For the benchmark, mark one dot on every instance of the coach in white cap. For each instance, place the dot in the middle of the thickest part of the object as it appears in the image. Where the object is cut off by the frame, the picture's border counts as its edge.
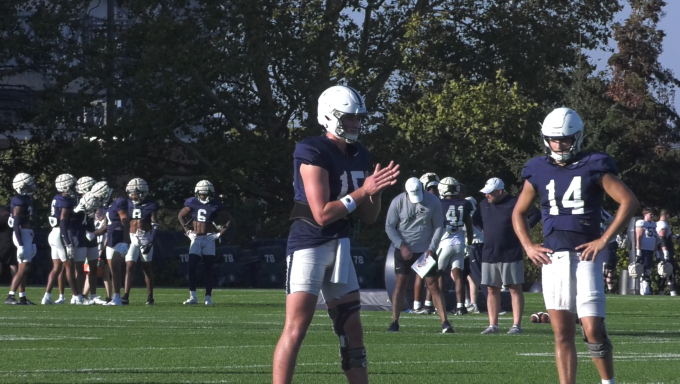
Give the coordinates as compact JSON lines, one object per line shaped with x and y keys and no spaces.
{"x":415,"y":225}
{"x":502,"y":256}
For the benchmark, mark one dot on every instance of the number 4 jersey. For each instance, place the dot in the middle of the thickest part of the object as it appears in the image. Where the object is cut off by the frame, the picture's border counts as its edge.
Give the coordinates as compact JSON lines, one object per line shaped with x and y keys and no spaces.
{"x":455,"y":212}
{"x":570,"y":197}
{"x":346,"y":173}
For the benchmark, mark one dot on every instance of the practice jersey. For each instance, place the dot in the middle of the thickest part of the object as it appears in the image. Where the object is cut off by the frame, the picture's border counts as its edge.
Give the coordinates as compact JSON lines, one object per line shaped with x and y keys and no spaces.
{"x":59,"y":204}
{"x":142,"y":210}
{"x":346,"y":173}
{"x":650,"y":237}
{"x":20,"y":201}
{"x":204,"y":213}
{"x":455,"y":211}
{"x":570,"y":197}
{"x":113,"y":221}
{"x":661,"y":225}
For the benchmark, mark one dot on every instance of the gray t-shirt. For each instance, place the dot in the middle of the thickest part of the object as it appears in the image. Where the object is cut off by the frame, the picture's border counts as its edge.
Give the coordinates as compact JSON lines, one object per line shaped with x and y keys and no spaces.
{"x":420,"y":226}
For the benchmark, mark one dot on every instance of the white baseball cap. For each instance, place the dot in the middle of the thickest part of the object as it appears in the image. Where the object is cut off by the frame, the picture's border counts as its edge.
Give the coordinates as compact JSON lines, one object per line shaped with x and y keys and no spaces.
{"x":492,"y":184}
{"x":414,"y":190}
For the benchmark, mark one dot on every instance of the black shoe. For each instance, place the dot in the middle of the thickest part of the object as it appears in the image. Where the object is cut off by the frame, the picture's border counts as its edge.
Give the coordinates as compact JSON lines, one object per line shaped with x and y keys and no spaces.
{"x":447,"y":328}
{"x":394,"y":327}
{"x":125,"y":300}
{"x":10,"y":300}
{"x":24,"y":301}
{"x":108,"y":299}
{"x":461,"y":311}
{"x":149,"y":300}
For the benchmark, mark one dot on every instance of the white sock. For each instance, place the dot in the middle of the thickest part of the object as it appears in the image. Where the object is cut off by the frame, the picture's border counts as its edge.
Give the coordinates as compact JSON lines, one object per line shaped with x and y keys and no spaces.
{"x":428,"y":303}
{"x":193,"y":294}
{"x":116,"y":296}
{"x":22,"y":294}
{"x":467,"y":302}
{"x":459,"y":305}
{"x":48,"y":295}
{"x":417,"y":304}
{"x":11,"y":293}
{"x":610,"y":381}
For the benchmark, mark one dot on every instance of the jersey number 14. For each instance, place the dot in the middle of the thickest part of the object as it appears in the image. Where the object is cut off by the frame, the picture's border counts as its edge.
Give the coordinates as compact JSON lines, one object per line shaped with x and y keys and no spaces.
{"x":571,"y":198}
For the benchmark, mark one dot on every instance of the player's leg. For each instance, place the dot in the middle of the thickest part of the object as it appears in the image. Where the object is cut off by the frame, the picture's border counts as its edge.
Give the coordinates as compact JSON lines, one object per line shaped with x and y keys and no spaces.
{"x":79,"y":257}
{"x":491,"y":277}
{"x":195,"y":253}
{"x":564,"y":327}
{"x":513,"y":278}
{"x":346,"y":317}
{"x":417,"y":289}
{"x":115,"y":260}
{"x":58,"y":254}
{"x":147,"y":267}
{"x":439,"y":301}
{"x":208,"y":264}
{"x":61,"y":284}
{"x":517,"y":296}
{"x":402,"y":270}
{"x":69,"y":266}
{"x":131,"y":258}
{"x":92,"y":259}
{"x":458,"y":276}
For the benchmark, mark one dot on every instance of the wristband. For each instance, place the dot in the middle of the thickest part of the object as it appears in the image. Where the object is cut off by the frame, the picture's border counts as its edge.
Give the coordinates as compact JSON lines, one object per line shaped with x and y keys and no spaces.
{"x":665,"y":255}
{"x":349,"y":203}
{"x":638,"y":253}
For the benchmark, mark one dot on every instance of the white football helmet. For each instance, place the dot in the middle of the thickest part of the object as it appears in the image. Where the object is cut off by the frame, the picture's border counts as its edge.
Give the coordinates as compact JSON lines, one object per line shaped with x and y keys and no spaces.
{"x":334,"y":103}
{"x":84,"y":184}
{"x":204,"y":188}
{"x":90,"y":202}
{"x":139,"y":187}
{"x":102,"y":191}
{"x":664,"y":269}
{"x":563,"y":122}
{"x":24,"y":184}
{"x":66,"y":183}
{"x":635,"y":270}
{"x":448,"y":186}
{"x":429,"y":180}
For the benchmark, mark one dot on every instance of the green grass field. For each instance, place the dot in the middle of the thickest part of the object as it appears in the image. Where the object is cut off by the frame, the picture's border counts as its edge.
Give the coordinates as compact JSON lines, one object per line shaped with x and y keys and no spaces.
{"x":234,"y":341}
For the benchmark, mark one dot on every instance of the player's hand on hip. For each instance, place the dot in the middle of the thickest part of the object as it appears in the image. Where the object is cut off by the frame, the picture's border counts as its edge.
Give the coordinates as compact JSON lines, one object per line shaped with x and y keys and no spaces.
{"x":590,"y":250}
{"x":405,"y":252}
{"x":538,"y":254}
{"x":381,"y":179}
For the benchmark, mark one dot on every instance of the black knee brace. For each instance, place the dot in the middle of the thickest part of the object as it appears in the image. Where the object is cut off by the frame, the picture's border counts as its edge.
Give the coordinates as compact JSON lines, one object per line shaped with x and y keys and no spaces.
{"x":351,"y":358}
{"x":599,"y":350}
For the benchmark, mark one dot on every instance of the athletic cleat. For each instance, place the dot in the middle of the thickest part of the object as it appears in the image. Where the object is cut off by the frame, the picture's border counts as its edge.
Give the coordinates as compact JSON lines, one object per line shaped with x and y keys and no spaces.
{"x":114,"y":302}
{"x":47,"y":301}
{"x":73,"y":300}
{"x":394,"y":327}
{"x":447,"y":328}
{"x":191,"y":301}
{"x":94,"y":299}
{"x":474,"y":309}
{"x":423,"y":311}
{"x":515,"y":330}
{"x":150,"y":300}
{"x":78,"y":301}
{"x":125,"y":300}
{"x":24,"y":301}
{"x":10,"y":300}
{"x":209,"y":303}
{"x":460,"y":311}
{"x":492,"y":329}
{"x":60,"y":300}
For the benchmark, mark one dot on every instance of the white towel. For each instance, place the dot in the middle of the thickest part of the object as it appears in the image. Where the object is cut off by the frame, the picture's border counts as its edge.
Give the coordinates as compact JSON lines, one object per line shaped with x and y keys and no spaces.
{"x":342,"y":259}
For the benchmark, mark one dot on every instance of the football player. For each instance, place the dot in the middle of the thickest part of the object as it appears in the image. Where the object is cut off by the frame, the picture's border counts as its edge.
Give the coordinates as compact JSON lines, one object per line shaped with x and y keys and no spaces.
{"x":451,"y":252}
{"x":62,"y":238}
{"x":21,"y":209}
{"x":473,"y":251}
{"x":571,"y":185}
{"x":667,"y":266}
{"x":8,"y":252}
{"x":608,"y":255}
{"x":205,"y":210}
{"x":646,"y":241}
{"x":117,"y":230}
{"x":142,"y":211}
{"x":430,"y":182}
{"x":330,"y":182}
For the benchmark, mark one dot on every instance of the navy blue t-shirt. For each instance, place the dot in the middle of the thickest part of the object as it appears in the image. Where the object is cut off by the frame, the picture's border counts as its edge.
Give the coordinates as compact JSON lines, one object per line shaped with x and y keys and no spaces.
{"x":21,"y":201}
{"x":570,"y":197}
{"x":114,"y":225}
{"x":204,"y":213}
{"x":455,"y":211}
{"x":501,"y":244}
{"x":346,"y":173}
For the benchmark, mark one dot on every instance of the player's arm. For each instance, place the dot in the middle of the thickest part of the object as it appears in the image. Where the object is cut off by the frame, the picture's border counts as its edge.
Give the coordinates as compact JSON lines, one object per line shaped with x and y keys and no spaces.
{"x":663,"y":232}
{"x":64,"y":225}
{"x":18,"y":213}
{"x":182,"y":217}
{"x":317,"y":190}
{"x":102,"y":228}
{"x":469,"y":231}
{"x":125,"y":220}
{"x":227,"y":219}
{"x":628,"y":205}
{"x":525,"y":202}
{"x":154,"y":224}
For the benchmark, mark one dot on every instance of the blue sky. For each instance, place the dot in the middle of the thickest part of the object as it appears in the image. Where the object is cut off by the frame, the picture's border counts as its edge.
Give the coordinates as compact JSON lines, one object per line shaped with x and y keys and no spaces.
{"x":670,"y":58}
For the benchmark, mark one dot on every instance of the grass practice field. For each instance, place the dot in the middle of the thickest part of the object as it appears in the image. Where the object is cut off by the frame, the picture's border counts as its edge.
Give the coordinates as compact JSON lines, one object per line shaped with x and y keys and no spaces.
{"x":234,"y":342}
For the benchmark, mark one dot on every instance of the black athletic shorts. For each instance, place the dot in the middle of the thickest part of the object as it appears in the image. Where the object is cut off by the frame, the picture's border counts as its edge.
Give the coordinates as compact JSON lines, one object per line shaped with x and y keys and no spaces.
{"x":403,"y":267}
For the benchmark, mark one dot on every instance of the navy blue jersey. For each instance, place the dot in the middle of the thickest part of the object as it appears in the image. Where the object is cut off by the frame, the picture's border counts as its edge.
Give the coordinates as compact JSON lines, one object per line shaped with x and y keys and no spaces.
{"x":60,"y":203}
{"x":204,"y":213}
{"x":346,"y":173}
{"x":570,"y":197}
{"x":455,"y":212}
{"x":142,"y":210}
{"x":113,"y":222}
{"x":21,"y":201}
